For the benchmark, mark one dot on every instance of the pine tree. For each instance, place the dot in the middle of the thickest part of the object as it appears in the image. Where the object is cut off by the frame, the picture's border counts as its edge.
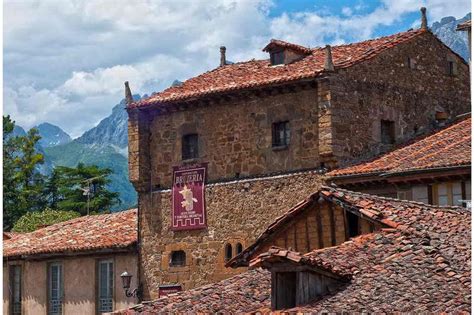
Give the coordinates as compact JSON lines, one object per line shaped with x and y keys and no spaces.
{"x":83,"y":189}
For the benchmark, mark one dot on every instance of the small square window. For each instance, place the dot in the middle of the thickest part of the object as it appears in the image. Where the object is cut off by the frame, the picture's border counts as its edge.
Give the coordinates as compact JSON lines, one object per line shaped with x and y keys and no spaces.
{"x":387,"y":129}
{"x":177,"y":258}
{"x":277,"y":57}
{"x":190,"y":146}
{"x":281,"y":134}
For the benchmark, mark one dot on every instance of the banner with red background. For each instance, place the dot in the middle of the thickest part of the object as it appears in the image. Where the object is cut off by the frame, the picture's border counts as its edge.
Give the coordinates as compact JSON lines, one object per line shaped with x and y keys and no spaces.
{"x":189,"y":210}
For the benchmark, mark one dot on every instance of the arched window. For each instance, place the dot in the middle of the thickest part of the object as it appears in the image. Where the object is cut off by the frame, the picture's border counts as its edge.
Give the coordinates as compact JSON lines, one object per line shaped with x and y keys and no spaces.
{"x":228,"y":252}
{"x":238,"y":248}
{"x":177,"y":258}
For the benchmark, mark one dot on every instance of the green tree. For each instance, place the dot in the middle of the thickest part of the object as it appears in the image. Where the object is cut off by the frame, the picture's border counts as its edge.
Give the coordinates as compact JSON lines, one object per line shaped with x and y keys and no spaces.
{"x":33,"y":220}
{"x":51,"y":189}
{"x":83,"y":189}
{"x":31,"y":182}
{"x":10,"y":188}
{"x":22,"y":183}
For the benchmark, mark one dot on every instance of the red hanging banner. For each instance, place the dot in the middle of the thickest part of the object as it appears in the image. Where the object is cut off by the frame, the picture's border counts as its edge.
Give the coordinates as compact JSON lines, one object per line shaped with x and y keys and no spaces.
{"x":189,"y":210}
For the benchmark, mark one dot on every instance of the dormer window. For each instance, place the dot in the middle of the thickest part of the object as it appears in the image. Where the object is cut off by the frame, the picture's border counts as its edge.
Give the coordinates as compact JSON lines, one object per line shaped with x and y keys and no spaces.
{"x":277,"y":57}
{"x":282,"y":52}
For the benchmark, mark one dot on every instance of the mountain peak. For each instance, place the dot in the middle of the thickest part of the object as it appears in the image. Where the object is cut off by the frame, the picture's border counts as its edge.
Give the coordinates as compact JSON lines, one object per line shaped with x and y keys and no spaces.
{"x":52,"y":135}
{"x":112,"y":130}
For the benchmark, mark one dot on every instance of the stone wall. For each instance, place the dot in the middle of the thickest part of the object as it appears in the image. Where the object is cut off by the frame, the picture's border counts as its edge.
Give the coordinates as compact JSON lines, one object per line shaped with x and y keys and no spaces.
{"x":236,"y":137}
{"x":386,"y":88}
{"x":237,"y":212}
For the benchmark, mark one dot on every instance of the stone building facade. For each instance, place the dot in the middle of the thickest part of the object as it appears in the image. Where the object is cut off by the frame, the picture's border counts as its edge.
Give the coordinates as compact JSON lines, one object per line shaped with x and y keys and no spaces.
{"x":332,"y":105}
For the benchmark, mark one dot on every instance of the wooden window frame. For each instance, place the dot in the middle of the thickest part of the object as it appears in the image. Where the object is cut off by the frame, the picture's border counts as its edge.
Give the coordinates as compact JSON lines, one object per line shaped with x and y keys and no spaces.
{"x":49,"y":285}
{"x":98,"y":264}
{"x":277,"y":57}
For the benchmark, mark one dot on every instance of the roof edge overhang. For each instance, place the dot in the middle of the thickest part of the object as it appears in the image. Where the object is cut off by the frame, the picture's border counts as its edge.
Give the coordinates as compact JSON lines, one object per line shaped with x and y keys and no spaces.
{"x":132,"y":248}
{"x":228,"y":91}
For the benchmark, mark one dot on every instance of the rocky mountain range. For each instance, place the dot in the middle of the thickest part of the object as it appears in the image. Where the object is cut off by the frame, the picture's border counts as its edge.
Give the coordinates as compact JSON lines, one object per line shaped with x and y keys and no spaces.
{"x":106,"y":144}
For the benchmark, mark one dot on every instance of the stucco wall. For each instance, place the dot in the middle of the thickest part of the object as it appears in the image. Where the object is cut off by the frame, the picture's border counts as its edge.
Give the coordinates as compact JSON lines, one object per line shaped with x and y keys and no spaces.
{"x":80,"y":282}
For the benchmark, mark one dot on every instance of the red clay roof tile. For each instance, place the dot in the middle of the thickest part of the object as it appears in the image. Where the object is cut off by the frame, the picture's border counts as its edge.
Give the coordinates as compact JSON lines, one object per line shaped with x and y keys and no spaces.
{"x":93,"y":232}
{"x":256,"y":73}
{"x":448,"y":147}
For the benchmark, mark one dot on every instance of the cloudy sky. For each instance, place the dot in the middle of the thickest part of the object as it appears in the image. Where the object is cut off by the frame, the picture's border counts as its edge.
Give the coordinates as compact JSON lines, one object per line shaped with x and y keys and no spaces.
{"x":65,"y":61}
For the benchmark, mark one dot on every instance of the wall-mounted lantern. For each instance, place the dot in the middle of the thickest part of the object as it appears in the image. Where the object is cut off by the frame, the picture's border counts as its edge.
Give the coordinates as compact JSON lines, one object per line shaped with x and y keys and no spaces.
{"x":126,"y":280}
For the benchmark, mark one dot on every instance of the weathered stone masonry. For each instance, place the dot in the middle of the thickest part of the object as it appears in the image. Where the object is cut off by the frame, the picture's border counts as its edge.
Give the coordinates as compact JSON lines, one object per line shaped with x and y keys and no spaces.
{"x":334,"y":118}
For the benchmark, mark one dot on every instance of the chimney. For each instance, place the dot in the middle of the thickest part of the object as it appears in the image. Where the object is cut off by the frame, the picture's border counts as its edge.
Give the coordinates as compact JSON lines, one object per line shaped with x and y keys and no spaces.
{"x":222,"y":56}
{"x":424,"y":20}
{"x":128,"y":94}
{"x":328,"y":65}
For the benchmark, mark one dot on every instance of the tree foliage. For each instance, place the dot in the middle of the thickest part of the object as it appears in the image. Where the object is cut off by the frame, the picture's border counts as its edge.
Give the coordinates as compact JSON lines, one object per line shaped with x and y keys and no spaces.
{"x":33,"y":220}
{"x":81,"y":189}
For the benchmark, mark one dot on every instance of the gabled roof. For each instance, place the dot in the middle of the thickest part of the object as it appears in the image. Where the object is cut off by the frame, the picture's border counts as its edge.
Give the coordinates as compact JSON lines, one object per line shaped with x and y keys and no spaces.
{"x":421,"y":263}
{"x":277,"y":43}
{"x":390,"y":212}
{"x":394,"y":271}
{"x":446,"y":148}
{"x":94,"y":232}
{"x":256,"y":73}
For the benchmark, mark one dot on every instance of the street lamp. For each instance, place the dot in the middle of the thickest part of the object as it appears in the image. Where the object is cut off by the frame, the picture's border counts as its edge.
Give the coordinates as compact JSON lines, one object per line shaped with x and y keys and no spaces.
{"x":126,"y":280}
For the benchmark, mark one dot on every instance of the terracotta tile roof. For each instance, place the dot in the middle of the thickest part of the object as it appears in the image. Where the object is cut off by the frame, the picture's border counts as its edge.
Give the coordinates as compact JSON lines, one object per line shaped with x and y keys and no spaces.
{"x":396,"y":271}
{"x":449,"y":147}
{"x":280,"y":43}
{"x":105,"y":231}
{"x":257,"y":73}
{"x":392,"y":213}
{"x":239,"y":294}
{"x":464,"y":26}
{"x":421,"y":263}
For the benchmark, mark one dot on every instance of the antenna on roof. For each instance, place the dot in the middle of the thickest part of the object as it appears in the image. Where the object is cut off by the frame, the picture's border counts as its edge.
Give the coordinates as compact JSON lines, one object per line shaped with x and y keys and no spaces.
{"x":128,"y":94}
{"x":424,"y":20}
{"x":328,"y":64}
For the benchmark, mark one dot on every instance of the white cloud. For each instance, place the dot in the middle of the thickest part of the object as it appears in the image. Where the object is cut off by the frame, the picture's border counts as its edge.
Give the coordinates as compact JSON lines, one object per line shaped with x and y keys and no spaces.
{"x":65,"y":61}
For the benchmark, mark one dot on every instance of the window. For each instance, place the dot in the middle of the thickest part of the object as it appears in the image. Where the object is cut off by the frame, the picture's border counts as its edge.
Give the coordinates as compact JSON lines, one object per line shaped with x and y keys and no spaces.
{"x":352,"y":224}
{"x":55,"y":289}
{"x":450,"y":194}
{"x":238,"y":248}
{"x":411,"y":63}
{"x":178,"y":258}
{"x":277,"y":57}
{"x":15,"y":290}
{"x":228,"y":252}
{"x":281,"y":134}
{"x":467,"y":188}
{"x":420,"y":193}
{"x":387,"y":129}
{"x":105,"y":286}
{"x":457,"y":194}
{"x":190,"y":147}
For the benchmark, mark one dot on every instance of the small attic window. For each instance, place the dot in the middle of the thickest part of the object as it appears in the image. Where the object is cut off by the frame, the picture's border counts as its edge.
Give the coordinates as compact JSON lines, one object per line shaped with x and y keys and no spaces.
{"x":277,"y":57}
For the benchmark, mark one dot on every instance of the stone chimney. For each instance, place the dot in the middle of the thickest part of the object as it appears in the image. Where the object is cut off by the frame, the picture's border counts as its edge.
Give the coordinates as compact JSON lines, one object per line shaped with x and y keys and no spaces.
{"x":424,"y":20}
{"x":222,"y":56}
{"x":328,"y":65}
{"x":128,"y":94}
